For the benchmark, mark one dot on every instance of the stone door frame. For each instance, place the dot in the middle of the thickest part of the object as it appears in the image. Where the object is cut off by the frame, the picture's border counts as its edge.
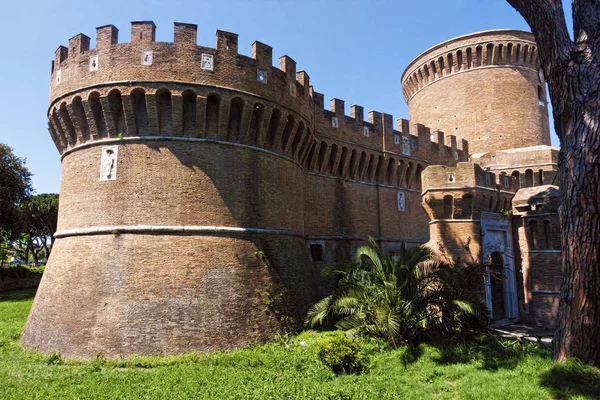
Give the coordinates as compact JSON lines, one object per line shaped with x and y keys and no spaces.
{"x":496,"y":236}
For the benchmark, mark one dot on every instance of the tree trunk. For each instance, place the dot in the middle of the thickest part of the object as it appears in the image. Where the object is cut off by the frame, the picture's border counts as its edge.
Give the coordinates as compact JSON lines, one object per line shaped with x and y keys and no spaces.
{"x":27,"y":248}
{"x":578,"y":331}
{"x":34,"y":254}
{"x":44,"y":241}
{"x":573,"y":72}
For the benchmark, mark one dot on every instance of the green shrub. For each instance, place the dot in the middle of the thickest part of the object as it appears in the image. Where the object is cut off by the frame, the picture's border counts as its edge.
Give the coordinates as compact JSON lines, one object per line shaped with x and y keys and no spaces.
{"x":400,"y":300}
{"x":343,"y":355}
{"x":20,"y":271}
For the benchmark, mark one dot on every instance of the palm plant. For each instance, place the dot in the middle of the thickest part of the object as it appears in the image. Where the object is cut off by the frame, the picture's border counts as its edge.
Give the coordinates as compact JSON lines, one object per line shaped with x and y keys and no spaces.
{"x":398,"y":299}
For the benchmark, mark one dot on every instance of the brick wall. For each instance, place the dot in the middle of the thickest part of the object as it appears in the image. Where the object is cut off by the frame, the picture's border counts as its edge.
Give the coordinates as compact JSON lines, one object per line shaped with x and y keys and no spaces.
{"x":178,"y":183}
{"x":161,"y":294}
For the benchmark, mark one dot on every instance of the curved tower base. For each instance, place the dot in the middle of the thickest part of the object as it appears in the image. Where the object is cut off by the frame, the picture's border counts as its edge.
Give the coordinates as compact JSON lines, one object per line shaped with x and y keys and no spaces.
{"x":166,"y":294}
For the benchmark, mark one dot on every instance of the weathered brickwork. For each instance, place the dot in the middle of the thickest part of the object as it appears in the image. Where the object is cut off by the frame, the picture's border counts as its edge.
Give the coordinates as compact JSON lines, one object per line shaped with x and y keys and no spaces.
{"x":454,"y":199}
{"x":160,"y":293}
{"x":536,"y":220}
{"x":204,"y":184}
{"x":530,"y":166}
{"x":203,"y":191}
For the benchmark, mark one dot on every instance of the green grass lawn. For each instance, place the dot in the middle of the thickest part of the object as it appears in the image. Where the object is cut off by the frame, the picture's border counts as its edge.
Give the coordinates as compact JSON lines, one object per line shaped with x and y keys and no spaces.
{"x":285,"y":369}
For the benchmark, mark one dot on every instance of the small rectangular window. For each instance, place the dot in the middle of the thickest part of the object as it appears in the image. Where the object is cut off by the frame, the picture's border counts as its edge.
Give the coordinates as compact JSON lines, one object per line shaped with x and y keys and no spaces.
{"x":316,"y":252}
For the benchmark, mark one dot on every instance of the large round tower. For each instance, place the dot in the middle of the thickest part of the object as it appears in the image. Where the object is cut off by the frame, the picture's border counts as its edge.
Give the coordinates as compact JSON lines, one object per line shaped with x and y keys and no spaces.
{"x":484,"y":87}
{"x":176,"y":161}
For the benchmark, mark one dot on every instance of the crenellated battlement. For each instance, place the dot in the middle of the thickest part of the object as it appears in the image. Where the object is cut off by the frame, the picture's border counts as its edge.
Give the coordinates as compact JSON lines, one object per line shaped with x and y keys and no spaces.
{"x":373,"y":150}
{"x":148,"y":88}
{"x":379,"y":132}
{"x":145,"y":60}
{"x":479,"y":50}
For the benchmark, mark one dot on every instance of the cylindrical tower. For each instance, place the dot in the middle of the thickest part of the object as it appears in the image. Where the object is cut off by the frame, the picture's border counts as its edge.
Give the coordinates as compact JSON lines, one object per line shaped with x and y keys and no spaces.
{"x":485,"y":87}
{"x":181,"y":207}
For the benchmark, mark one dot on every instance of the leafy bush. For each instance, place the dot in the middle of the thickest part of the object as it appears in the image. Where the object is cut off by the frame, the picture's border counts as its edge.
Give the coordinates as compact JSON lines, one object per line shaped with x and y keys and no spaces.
{"x":343,"y":355}
{"x":20,"y":271}
{"x":400,"y":299}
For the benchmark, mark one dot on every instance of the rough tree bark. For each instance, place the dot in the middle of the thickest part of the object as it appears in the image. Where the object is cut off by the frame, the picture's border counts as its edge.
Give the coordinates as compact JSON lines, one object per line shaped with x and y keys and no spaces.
{"x":572,"y":69}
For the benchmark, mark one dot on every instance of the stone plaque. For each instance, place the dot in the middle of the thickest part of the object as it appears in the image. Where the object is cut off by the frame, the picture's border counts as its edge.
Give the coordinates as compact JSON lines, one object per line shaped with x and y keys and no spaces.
{"x":94,"y":63}
{"x":207,"y":61}
{"x":261,"y":76}
{"x":147,"y":57}
{"x":108,"y":163}
{"x":401,"y":198}
{"x":405,"y":146}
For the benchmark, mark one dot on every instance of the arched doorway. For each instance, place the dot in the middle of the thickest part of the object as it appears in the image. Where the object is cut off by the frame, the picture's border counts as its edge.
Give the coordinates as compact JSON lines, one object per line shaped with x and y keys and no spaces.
{"x":497,"y":286}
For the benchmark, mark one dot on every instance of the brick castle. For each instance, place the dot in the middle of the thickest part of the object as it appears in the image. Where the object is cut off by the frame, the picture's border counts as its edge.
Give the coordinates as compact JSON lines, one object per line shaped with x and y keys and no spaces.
{"x":203,"y":191}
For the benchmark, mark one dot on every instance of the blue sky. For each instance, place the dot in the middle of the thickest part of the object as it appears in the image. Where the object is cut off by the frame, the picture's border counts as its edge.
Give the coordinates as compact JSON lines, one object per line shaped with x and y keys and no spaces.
{"x":352,"y":50}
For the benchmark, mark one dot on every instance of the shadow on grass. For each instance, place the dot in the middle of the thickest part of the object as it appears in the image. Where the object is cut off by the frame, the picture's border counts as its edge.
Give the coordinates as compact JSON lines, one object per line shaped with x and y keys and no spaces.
{"x":411,"y":355}
{"x":20,"y":294}
{"x":572,"y":378}
{"x":492,"y":354}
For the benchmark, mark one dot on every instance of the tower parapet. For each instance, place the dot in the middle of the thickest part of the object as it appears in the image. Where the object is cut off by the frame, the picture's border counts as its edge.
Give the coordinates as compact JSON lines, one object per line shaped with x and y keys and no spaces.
{"x":175,"y":89}
{"x":371,"y":148}
{"x":485,"y":87}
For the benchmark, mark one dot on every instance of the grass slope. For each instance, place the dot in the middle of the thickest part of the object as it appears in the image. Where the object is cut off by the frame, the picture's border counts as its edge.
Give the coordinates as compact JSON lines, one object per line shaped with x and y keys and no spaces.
{"x":285,"y":369}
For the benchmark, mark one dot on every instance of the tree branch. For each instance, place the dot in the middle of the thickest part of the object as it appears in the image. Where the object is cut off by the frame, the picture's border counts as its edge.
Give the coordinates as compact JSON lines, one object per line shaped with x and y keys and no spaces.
{"x":556,"y":51}
{"x":586,"y":26}
{"x":547,"y":22}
